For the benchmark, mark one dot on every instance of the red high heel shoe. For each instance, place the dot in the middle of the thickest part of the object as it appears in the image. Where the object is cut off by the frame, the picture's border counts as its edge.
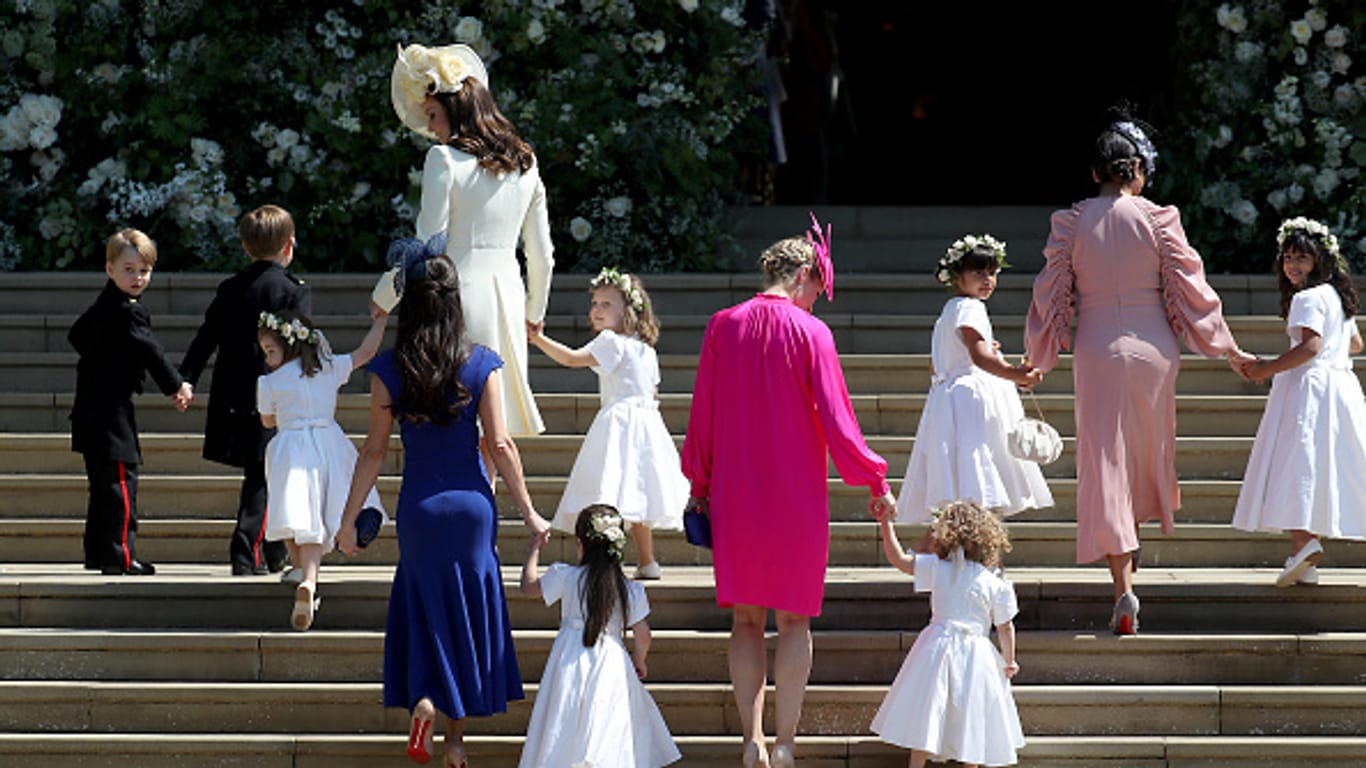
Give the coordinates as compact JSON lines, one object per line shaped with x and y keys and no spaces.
{"x":420,"y":738}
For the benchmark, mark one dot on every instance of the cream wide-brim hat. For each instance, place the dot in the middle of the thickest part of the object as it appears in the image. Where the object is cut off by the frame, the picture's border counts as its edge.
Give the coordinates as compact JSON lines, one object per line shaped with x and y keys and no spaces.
{"x":420,"y":71}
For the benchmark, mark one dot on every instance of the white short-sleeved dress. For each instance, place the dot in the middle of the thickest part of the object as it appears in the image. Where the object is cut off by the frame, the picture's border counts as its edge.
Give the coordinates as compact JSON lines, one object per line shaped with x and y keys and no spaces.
{"x":951,"y":697}
{"x":309,"y":461}
{"x":591,"y":708}
{"x":1307,"y":469}
{"x":961,"y":448}
{"x":628,"y":459}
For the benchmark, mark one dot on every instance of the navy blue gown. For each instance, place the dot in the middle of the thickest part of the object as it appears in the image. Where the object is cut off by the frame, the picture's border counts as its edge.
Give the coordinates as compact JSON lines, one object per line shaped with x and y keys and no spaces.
{"x":448,"y":637}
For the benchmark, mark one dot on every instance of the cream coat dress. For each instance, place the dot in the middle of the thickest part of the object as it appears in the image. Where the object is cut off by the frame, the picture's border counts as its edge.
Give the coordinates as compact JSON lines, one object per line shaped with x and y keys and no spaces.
{"x":483,"y":214}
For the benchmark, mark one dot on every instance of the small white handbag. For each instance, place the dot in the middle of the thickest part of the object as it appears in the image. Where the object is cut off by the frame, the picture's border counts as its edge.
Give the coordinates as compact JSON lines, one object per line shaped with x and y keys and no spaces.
{"x":1035,"y":439}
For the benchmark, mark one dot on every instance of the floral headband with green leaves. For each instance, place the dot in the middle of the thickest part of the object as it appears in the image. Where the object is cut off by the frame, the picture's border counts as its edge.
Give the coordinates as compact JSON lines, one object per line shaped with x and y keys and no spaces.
{"x":291,"y":331}
{"x":605,"y":526}
{"x":1315,"y":230}
{"x":943,"y":271}
{"x":611,"y":276}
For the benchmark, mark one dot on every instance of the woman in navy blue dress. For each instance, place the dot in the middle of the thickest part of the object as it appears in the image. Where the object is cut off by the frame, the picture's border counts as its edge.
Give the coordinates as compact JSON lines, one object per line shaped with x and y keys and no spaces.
{"x":447,"y":641}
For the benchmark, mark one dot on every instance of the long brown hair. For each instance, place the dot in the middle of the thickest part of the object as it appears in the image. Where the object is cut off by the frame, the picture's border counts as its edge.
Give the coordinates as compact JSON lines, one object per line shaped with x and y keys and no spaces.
{"x":432,"y":346}
{"x":479,"y":129}
{"x":1325,"y":270}
{"x":603,"y":585}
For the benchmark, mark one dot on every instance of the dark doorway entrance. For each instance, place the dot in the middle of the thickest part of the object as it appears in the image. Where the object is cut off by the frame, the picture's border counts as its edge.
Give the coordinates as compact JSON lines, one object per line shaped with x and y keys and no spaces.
{"x":964,"y":103}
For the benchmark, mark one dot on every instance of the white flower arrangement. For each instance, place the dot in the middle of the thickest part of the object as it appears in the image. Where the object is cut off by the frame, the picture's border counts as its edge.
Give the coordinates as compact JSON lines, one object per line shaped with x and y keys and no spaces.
{"x":606,"y":526}
{"x":1311,"y":228}
{"x":943,"y":271}
{"x":292,"y":332}
{"x":611,"y":276}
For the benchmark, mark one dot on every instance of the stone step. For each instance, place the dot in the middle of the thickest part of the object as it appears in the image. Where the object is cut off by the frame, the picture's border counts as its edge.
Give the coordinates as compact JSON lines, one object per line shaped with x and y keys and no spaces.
{"x":685,"y":656}
{"x":205,"y":597}
{"x":36,"y":294}
{"x":178,"y":497}
{"x":859,"y":333}
{"x":211,"y":750}
{"x":1044,"y":544}
{"x":568,"y":413}
{"x":698,"y":709}
{"x":1222,"y":458}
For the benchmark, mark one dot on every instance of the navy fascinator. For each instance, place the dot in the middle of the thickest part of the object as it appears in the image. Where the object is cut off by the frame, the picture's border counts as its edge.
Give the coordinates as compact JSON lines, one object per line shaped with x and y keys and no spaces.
{"x":412,"y":254}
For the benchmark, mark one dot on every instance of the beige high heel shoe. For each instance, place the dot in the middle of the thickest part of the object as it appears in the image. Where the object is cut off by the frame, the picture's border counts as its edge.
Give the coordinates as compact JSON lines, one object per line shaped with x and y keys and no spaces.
{"x":305,"y":603}
{"x":754,"y":756}
{"x":783,"y":757}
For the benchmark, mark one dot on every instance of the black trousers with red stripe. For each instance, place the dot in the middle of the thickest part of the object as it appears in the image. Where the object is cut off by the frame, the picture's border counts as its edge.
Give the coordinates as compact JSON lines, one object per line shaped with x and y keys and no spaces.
{"x":111,"y":517}
{"x":249,"y":546}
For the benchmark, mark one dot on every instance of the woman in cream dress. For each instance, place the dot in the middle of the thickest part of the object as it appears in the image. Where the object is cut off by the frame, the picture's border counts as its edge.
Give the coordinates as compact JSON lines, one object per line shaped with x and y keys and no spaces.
{"x":481,"y":189}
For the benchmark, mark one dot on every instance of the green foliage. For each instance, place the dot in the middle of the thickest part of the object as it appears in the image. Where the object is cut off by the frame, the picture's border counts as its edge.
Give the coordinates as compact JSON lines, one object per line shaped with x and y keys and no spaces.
{"x":175,"y":116}
{"x":1272,"y":126}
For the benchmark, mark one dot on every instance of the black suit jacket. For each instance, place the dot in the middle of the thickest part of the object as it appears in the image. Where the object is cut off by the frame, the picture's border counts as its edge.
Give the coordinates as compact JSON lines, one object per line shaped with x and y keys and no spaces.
{"x":233,"y":433}
{"x":116,"y":347}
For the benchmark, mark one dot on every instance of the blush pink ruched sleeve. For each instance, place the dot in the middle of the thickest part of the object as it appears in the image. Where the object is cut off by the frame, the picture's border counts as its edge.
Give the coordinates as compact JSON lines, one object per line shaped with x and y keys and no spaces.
{"x":1048,"y":327}
{"x":1194,"y":311}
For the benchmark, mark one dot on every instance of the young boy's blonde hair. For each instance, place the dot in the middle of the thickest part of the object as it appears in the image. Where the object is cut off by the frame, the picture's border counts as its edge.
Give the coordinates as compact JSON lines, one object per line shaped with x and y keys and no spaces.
{"x":266,"y":231}
{"x":130,"y":240}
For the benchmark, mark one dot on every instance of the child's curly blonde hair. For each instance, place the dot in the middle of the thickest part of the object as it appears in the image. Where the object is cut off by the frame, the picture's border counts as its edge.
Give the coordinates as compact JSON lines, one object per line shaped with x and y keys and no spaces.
{"x":977,"y":530}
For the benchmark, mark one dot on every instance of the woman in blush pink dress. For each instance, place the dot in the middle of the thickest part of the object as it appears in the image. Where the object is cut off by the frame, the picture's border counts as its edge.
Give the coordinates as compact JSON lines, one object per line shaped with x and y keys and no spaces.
{"x":1122,"y":264}
{"x":769,"y":403}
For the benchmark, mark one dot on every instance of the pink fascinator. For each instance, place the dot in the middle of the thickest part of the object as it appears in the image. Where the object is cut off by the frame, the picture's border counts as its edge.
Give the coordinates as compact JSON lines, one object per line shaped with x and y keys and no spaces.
{"x":820,"y":243}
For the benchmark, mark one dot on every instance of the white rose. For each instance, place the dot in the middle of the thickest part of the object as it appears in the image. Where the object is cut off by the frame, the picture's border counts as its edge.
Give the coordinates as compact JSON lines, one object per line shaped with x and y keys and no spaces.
{"x":1231,"y":18}
{"x":535,"y":32}
{"x":1325,"y":182}
{"x":469,"y":29}
{"x":1277,"y":199}
{"x":1301,"y":31}
{"x":206,"y":151}
{"x":657,"y":41}
{"x":1301,"y":56}
{"x":688,"y":5}
{"x":731,"y":16}
{"x":276,"y":155}
{"x":1295,"y":192}
{"x":1317,"y":19}
{"x":1321,"y":78}
{"x":1344,"y":95}
{"x":360,"y":190}
{"x":618,"y":206}
{"x":50,"y":228}
{"x":1341,"y":63}
{"x":1246,"y":51}
{"x":286,"y":138}
{"x":41,"y":109}
{"x":1222,"y":137}
{"x":90,"y":186}
{"x":1243,"y":211}
{"x":1335,"y":37}
{"x":1286,"y":87}
{"x":580,"y":228}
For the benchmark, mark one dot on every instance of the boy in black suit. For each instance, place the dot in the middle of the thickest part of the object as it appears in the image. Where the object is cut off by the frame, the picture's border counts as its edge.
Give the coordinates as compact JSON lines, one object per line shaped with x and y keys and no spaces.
{"x":233,"y":433}
{"x":116,"y":347}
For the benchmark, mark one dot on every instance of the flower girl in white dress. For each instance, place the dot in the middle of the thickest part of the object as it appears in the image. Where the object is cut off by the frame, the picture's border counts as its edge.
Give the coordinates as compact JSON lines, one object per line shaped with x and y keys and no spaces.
{"x":952,"y":700}
{"x":1307,"y":470}
{"x":309,"y":461}
{"x":628,"y":459}
{"x":592,"y":708}
{"x":960,"y":447}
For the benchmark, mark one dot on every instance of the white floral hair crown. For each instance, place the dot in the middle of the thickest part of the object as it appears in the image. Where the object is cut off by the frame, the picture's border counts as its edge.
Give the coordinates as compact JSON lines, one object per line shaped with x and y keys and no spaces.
{"x":611,"y":276}
{"x":292,"y":331}
{"x":943,"y":271}
{"x":605,"y":526}
{"x":1314,"y":229}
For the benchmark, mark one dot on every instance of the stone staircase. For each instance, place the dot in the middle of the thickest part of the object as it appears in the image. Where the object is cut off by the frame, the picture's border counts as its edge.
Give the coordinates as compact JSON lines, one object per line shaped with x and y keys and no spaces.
{"x":194,"y":667}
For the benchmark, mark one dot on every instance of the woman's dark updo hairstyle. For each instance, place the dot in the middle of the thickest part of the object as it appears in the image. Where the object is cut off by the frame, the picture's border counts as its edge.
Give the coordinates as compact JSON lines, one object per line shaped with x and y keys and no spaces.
{"x":602,"y":587}
{"x":1325,"y":271}
{"x":1114,"y":156}
{"x":431,"y":347}
{"x":479,"y":129}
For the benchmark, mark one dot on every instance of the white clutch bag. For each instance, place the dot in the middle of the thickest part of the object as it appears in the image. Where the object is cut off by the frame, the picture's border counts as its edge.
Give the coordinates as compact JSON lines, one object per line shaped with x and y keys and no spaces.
{"x":1035,"y":439}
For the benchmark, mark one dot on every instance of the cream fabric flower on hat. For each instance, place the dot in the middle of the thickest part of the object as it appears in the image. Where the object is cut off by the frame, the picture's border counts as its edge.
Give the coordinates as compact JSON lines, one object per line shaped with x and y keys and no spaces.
{"x":420,"y":71}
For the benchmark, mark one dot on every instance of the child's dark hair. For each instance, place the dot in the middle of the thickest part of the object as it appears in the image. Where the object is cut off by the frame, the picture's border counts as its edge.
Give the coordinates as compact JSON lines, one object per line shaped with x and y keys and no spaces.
{"x":309,"y":349}
{"x":1115,"y":155}
{"x":1327,"y":269}
{"x":603,"y":586}
{"x":980,"y":257}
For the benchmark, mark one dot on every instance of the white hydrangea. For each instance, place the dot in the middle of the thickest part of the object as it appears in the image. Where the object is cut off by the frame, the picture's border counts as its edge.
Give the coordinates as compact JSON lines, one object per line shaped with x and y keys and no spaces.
{"x":1341,"y":63}
{"x":1295,"y":192}
{"x":1320,"y":79}
{"x":1317,"y":19}
{"x":732,"y":16}
{"x":1247,"y":50}
{"x":287,"y":138}
{"x":468,"y":30}
{"x":205,"y":152}
{"x":1335,"y":37}
{"x":1277,"y":198}
{"x":535,"y":32}
{"x":1243,"y":211}
{"x":688,"y":6}
{"x":1325,"y":181}
{"x":618,"y":206}
{"x":1222,"y":137}
{"x":1344,"y":95}
{"x":1301,"y":56}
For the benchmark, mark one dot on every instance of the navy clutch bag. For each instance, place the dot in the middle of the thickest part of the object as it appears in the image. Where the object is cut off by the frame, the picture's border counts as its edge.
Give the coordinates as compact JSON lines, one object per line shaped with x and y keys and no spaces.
{"x":697,"y":528}
{"x":368,"y":523}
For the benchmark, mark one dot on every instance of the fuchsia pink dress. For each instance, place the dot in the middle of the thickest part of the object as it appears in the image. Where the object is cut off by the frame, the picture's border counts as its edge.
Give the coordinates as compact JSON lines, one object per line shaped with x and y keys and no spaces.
{"x":769,"y":402}
{"x":1124,"y":266}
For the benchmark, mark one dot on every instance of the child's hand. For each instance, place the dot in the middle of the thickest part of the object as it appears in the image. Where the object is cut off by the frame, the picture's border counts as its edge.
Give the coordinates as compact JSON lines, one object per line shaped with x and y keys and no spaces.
{"x":1012,"y":669}
{"x":376,"y":311}
{"x":1028,"y":376}
{"x":535,"y":331}
{"x":883,"y":508}
{"x":641,"y":669}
